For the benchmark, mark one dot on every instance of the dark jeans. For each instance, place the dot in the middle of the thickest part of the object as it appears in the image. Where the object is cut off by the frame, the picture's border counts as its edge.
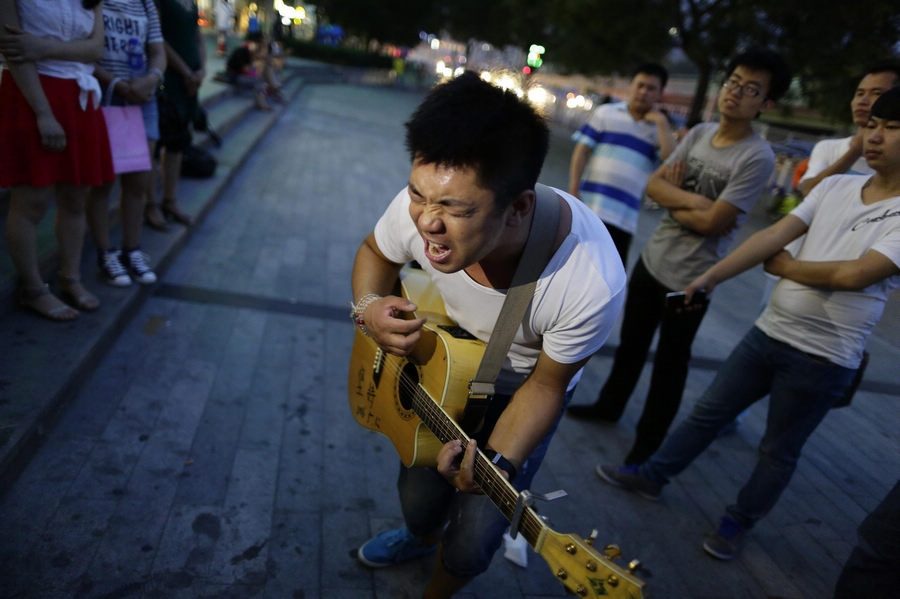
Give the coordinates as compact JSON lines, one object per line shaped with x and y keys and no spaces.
{"x":475,"y":526}
{"x":644,"y":312}
{"x":873,"y":569}
{"x":801,"y":388}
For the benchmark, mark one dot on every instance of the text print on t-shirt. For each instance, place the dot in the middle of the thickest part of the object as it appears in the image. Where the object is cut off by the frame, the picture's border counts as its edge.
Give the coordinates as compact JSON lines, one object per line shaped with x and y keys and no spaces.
{"x":875,"y":219}
{"x":124,"y":39}
{"x":705,"y":178}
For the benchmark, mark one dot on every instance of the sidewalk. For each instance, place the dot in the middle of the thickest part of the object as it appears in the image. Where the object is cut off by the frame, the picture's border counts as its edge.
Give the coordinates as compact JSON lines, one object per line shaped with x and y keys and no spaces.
{"x":42,"y":363}
{"x":210,"y":453}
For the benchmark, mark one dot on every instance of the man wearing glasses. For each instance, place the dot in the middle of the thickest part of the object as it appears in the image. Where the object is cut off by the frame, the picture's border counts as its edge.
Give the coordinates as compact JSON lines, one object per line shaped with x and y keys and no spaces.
{"x":708,"y":184}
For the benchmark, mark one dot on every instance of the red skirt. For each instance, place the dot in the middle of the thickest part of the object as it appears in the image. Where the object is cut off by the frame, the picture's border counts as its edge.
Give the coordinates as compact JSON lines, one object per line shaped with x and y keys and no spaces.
{"x":23,"y":160}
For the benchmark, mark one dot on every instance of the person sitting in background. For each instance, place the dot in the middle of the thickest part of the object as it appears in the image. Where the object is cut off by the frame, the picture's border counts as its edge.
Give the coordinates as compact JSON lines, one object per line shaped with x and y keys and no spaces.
{"x":136,"y":66}
{"x":53,"y":140}
{"x":250,"y":67}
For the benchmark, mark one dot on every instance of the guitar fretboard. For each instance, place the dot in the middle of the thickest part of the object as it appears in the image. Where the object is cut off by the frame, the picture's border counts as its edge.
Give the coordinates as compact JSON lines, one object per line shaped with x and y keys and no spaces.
{"x":495,"y":486}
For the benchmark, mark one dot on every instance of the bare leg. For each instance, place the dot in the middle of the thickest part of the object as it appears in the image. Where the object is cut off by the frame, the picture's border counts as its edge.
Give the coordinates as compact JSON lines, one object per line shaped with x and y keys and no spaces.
{"x":153,"y":216}
{"x":27,"y":207}
{"x":97,"y":211}
{"x":70,"y":225}
{"x":135,"y":189}
{"x":171,"y":171}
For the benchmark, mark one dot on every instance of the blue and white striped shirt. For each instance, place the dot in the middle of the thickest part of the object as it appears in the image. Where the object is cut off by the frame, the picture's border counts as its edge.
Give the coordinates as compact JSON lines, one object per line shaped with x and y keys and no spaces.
{"x":625,"y":152}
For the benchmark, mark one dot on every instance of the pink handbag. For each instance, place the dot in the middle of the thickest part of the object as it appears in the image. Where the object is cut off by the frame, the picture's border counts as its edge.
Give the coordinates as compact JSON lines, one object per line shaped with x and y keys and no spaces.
{"x":127,"y":136}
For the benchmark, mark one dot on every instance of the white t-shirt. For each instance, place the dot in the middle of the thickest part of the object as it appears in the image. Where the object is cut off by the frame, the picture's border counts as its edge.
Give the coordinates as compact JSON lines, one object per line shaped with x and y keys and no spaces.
{"x":576,"y":302}
{"x":826,"y":152}
{"x":64,"y":21}
{"x":835,"y":324}
{"x":624,"y":154}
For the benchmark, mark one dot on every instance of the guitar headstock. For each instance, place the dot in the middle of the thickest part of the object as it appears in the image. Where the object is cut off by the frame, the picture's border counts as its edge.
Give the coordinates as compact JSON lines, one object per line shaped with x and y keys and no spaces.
{"x":585,"y":571}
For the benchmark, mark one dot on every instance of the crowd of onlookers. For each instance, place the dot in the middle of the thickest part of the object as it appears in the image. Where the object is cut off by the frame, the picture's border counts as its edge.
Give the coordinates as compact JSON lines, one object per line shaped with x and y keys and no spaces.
{"x":69,"y":66}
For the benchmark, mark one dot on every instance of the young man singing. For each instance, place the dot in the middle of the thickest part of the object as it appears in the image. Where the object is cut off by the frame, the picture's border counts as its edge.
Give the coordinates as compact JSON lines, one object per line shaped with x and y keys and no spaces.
{"x":465,"y":217}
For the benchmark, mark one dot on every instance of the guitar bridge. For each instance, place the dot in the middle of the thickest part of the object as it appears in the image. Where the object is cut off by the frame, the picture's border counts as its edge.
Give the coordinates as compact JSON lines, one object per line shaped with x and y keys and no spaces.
{"x":377,"y":366}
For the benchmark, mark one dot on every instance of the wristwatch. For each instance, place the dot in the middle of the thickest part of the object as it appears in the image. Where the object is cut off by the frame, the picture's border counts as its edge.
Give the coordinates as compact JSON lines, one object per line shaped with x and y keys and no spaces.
{"x":500,"y":462}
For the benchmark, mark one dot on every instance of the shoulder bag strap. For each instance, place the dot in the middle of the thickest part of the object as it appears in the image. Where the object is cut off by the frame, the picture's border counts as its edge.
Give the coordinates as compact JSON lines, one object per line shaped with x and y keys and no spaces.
{"x":538,"y":251}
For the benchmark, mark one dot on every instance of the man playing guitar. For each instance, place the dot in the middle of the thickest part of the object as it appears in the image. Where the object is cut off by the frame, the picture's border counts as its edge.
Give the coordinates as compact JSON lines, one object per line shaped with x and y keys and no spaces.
{"x":465,"y":217}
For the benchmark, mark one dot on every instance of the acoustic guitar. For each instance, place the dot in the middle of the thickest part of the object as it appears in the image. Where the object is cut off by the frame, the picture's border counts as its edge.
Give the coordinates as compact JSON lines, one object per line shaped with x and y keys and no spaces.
{"x":417,"y":401}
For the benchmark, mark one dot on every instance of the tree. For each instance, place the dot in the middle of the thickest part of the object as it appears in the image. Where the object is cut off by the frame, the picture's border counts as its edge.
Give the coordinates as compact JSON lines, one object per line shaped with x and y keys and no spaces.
{"x":830,"y":48}
{"x":390,"y":21}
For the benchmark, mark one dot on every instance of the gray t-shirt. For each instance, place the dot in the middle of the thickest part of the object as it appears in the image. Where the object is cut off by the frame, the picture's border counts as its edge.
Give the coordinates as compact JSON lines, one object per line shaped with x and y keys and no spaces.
{"x":676,"y":255}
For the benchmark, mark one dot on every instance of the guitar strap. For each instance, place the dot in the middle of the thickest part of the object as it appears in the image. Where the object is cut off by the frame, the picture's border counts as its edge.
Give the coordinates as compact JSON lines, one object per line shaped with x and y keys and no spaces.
{"x":537,"y":253}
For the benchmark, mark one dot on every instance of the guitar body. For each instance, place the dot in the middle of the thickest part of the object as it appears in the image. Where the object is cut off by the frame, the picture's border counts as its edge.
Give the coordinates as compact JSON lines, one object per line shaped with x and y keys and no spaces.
{"x":381,"y":385}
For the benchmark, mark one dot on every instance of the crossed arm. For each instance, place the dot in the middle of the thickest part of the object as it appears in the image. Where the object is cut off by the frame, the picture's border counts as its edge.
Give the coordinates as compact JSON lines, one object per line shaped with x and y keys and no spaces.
{"x":694,"y":211}
{"x":767,"y":246}
{"x":22,"y":50}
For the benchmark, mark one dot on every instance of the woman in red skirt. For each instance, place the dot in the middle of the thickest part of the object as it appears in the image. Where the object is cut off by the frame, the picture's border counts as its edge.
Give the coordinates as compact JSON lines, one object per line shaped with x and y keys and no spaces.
{"x":53,"y":140}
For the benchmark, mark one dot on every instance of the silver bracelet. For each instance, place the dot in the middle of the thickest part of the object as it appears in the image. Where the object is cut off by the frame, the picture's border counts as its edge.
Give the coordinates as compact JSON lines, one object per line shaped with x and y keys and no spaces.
{"x":358,"y":310}
{"x":158,"y":73}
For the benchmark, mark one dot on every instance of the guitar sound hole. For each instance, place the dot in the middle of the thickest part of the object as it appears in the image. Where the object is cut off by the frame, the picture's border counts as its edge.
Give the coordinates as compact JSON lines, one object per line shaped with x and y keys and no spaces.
{"x":409,"y":381}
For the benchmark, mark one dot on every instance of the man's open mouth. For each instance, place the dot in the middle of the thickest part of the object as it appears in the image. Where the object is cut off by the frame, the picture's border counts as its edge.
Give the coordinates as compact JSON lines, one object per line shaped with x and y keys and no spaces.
{"x":436,"y":251}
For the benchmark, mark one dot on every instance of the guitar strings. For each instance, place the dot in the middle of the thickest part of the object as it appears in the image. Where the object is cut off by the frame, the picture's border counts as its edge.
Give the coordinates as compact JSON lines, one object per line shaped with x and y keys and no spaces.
{"x":530,"y":525}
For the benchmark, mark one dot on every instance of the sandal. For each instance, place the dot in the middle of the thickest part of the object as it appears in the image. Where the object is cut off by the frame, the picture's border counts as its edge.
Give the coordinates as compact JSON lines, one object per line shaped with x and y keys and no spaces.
{"x":73,"y":293}
{"x":40,"y":301}
{"x":171,"y":212}
{"x":154,"y":218}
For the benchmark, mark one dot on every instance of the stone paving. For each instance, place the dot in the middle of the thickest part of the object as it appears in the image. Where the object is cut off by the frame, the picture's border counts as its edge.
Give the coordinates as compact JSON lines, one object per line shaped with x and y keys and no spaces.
{"x":211,"y":452}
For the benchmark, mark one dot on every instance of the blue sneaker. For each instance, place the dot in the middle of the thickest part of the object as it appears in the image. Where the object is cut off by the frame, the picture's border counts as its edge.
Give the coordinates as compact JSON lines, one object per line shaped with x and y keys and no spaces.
{"x":725,"y":543}
{"x":628,"y":477}
{"x":392,"y":547}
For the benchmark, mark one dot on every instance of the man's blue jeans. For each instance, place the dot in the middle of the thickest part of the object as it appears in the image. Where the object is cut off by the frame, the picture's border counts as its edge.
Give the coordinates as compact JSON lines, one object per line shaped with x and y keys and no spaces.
{"x":475,"y":526}
{"x":802,"y":388}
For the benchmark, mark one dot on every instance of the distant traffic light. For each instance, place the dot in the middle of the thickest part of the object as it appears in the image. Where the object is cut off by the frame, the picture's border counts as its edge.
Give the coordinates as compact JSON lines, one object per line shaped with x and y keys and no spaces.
{"x":534,"y":59}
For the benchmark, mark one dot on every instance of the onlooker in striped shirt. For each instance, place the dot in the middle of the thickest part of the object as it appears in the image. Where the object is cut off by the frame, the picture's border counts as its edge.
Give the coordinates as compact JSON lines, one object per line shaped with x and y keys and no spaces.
{"x":617,"y":149}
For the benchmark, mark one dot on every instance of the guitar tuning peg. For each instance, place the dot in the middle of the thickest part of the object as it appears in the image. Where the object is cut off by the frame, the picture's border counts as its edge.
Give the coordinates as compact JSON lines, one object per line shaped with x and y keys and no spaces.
{"x":634,"y":565}
{"x":612,"y":551}
{"x":592,"y":537}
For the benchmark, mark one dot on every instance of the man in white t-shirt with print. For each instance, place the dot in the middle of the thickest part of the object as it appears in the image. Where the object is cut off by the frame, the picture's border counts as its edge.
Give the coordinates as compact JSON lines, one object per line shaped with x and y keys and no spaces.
{"x":465,"y":216}
{"x":617,"y":150}
{"x":844,"y":156}
{"x":807,"y":344}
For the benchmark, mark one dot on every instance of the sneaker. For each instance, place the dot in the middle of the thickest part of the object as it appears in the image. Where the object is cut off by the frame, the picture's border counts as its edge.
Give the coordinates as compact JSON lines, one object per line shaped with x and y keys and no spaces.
{"x":392,"y":547}
{"x":111,"y":269}
{"x":628,"y":477}
{"x":725,"y":543}
{"x":136,"y":263}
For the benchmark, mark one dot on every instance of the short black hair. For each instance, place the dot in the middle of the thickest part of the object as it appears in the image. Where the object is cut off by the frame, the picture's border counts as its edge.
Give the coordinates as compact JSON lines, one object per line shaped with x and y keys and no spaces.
{"x":763,"y":59}
{"x":887,"y":106}
{"x":654,"y":69}
{"x":887,"y":66}
{"x":468,"y":122}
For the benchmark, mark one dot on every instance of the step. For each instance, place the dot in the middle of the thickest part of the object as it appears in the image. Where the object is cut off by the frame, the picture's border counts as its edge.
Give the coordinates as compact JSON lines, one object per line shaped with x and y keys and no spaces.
{"x":42,"y":363}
